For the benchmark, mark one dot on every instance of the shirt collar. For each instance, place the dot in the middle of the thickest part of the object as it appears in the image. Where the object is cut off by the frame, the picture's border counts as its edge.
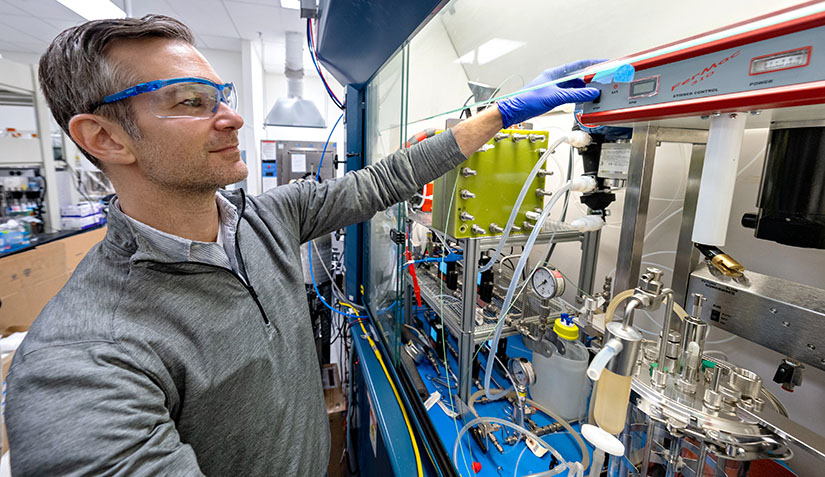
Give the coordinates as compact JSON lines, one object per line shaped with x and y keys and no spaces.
{"x":173,"y":247}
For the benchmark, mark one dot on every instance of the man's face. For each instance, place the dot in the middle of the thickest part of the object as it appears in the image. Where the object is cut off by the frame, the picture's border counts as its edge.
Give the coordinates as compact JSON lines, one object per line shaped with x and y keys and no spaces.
{"x":186,"y":154}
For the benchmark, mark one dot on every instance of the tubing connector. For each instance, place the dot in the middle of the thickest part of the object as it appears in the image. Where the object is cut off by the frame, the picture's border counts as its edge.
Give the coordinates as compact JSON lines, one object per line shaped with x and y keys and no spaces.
{"x":501,"y":136}
{"x":583,"y":184}
{"x":528,"y":225}
{"x":518,"y":137}
{"x":578,"y":138}
{"x":543,"y":193}
{"x":610,"y":349}
{"x":588,"y":223}
{"x":494,"y":228}
{"x":477,"y":230}
{"x":544,"y":173}
{"x":535,"y":137}
{"x":465,"y":194}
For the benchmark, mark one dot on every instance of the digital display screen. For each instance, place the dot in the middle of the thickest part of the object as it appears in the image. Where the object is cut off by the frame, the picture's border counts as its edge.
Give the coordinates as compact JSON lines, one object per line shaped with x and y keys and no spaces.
{"x":780,"y":61}
{"x":645,"y":87}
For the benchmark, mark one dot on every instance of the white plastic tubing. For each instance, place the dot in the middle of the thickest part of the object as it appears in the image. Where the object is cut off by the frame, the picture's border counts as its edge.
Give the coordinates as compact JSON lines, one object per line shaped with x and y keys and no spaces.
{"x":575,"y":139}
{"x":581,"y":184}
{"x":576,"y":467}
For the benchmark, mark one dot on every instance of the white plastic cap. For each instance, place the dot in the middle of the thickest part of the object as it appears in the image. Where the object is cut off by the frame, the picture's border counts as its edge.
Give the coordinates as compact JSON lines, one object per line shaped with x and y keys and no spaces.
{"x":578,"y":138}
{"x":602,"y":439}
{"x":583,"y":184}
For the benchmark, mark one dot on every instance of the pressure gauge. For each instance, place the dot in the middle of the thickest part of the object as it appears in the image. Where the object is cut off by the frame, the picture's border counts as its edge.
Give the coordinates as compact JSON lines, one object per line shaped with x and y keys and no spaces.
{"x":521,"y":372}
{"x":547,"y":283}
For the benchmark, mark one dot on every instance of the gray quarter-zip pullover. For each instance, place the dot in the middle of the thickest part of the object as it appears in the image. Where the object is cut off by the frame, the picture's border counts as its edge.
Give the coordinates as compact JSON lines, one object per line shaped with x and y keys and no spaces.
{"x":148,"y":365}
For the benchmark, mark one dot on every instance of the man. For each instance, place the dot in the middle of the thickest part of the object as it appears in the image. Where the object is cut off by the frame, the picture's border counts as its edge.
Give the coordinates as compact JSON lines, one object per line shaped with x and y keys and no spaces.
{"x":181,"y":344}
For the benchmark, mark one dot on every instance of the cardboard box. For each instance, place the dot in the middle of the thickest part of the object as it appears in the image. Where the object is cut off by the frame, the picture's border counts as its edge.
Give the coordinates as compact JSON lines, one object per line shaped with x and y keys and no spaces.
{"x":77,"y":246}
{"x":6,"y":363}
{"x":28,"y":280}
{"x":80,"y":222}
{"x":336,"y":412}
{"x":81,"y":209}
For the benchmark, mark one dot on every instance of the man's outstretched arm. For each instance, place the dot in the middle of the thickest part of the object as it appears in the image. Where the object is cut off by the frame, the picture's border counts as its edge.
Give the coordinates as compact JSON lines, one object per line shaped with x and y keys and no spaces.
{"x":310,"y":209}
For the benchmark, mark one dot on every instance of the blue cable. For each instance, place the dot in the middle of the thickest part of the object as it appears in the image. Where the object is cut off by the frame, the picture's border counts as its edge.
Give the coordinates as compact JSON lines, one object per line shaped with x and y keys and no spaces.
{"x":324,"y":153}
{"x":311,"y":274}
{"x":317,"y":292}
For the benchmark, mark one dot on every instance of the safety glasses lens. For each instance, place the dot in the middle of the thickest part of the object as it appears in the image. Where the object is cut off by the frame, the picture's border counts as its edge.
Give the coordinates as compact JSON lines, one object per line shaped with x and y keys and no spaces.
{"x":230,"y":96}
{"x":186,"y":100}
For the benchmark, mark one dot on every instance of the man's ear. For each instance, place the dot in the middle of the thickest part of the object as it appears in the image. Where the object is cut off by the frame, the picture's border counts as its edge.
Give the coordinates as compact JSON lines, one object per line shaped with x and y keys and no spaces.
{"x":102,"y":138}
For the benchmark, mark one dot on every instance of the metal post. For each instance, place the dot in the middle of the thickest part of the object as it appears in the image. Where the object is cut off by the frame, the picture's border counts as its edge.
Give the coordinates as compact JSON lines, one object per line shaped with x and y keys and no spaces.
{"x":41,"y":110}
{"x":468,"y":302}
{"x":590,"y":258}
{"x":686,"y":254}
{"x":634,"y":214}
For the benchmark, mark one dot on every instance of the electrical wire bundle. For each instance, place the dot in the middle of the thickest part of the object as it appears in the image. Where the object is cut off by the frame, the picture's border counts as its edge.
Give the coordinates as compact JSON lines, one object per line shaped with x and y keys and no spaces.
{"x":313,"y":55}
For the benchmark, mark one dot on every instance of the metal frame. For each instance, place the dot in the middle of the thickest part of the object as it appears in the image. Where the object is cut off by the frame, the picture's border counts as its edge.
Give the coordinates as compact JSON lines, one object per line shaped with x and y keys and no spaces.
{"x":637,"y":199}
{"x":472,"y":247}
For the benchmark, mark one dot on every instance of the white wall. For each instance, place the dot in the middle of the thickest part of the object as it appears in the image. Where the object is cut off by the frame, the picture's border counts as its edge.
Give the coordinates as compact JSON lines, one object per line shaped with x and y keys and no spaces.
{"x":226,"y":63}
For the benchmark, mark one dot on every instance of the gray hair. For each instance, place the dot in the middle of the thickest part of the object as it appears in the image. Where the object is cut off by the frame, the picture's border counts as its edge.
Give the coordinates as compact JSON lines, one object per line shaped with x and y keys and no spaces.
{"x":75,"y":72}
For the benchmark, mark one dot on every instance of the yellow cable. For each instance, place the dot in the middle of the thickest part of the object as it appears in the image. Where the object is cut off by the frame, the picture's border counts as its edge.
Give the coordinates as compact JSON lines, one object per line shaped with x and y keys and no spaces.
{"x":394,"y":390}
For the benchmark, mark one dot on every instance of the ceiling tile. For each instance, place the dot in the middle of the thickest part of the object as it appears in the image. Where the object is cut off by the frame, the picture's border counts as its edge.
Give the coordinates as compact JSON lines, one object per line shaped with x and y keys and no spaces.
{"x":215,"y":42}
{"x":46,"y":9}
{"x":31,"y":26}
{"x":269,"y":3}
{"x":28,"y":47}
{"x":6,"y":7}
{"x":61,"y":25}
{"x":271,"y":21}
{"x":161,"y":7}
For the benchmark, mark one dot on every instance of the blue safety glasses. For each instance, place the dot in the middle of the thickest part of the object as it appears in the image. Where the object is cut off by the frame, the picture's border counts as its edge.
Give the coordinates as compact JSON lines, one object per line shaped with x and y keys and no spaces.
{"x":179,"y":97}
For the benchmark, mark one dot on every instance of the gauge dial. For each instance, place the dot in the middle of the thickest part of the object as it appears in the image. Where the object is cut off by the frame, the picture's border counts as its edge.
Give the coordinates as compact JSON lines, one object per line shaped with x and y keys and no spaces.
{"x":547,"y":283}
{"x":521,"y":372}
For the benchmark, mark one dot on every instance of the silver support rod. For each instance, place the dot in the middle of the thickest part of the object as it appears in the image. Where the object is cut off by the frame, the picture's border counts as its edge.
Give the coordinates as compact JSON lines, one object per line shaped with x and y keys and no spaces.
{"x":786,"y":428}
{"x":590,"y":258}
{"x":42,"y":115}
{"x":468,"y":302}
{"x":636,"y":201}
{"x":686,"y":254}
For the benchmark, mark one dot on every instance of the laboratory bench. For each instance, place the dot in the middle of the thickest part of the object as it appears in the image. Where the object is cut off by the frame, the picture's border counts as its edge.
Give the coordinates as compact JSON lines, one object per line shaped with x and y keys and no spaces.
{"x":32,"y":275}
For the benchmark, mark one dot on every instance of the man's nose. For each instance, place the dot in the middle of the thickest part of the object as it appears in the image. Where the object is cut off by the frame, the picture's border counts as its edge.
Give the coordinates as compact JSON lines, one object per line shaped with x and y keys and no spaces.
{"x":227,"y":118}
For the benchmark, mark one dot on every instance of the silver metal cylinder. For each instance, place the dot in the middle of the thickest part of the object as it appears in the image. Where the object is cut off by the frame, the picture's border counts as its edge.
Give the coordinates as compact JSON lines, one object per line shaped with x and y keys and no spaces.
{"x":623,"y":363}
{"x":693,"y":330}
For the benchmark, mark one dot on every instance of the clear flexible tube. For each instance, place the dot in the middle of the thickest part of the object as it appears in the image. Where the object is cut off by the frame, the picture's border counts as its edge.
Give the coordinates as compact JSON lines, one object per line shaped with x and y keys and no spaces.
{"x":563,"y":464}
{"x":553,"y":415}
{"x":524,"y":189}
{"x":511,"y":290}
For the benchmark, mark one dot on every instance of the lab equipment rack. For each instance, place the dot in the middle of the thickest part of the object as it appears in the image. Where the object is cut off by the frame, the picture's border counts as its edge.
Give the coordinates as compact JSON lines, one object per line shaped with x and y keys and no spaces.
{"x":460,"y":316}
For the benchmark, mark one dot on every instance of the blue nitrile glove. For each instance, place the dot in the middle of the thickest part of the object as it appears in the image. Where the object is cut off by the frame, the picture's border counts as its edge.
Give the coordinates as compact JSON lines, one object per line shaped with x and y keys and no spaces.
{"x":538,"y":101}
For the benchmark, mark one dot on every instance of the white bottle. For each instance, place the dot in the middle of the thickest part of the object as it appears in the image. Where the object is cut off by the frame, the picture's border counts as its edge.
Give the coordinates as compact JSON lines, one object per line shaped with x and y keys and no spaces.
{"x":561,"y":383}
